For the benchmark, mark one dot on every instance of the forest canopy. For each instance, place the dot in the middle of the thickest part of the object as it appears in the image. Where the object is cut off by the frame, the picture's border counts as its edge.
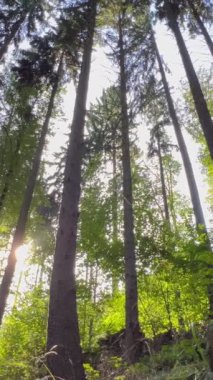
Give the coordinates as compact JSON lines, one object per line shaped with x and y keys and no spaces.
{"x":105,"y":259}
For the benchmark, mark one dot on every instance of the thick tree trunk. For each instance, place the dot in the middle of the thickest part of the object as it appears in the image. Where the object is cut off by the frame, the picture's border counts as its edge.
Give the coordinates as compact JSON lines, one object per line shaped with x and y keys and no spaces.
{"x":15,"y":28}
{"x":199,"y":100}
{"x":63,"y":329}
{"x":131,"y":292}
{"x":23,"y":215}
{"x":201,"y":25}
{"x":163,"y":184}
{"x":198,"y":212}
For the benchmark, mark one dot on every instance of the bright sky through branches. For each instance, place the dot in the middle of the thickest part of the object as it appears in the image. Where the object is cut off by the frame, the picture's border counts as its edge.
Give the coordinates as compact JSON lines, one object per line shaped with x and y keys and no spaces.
{"x":104,"y":74}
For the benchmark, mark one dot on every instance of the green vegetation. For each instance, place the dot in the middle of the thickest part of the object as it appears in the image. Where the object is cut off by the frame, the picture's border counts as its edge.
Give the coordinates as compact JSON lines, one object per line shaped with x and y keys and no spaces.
{"x":117,"y":279}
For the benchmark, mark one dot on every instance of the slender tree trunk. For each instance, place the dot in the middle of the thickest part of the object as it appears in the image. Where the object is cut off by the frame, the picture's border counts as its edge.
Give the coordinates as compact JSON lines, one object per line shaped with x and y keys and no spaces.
{"x":179,"y":310}
{"x":163,"y":184}
{"x":114,"y":211}
{"x":199,"y":100}
{"x":171,"y":198}
{"x":115,"y":195}
{"x":37,"y":275}
{"x":131,"y":292}
{"x":195,"y":198}
{"x":201,"y":25}
{"x":63,"y":329}
{"x":15,"y":28}
{"x":165,"y":297}
{"x":85,"y":303}
{"x":93,"y":289}
{"x":23,"y":215}
{"x":198,"y":212}
{"x":91,"y":285}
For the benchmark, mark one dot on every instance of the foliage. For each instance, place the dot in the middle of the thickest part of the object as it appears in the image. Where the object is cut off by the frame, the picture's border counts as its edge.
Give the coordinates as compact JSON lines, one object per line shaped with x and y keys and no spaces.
{"x":174,"y":266}
{"x":26,"y":324}
{"x":192,"y":125}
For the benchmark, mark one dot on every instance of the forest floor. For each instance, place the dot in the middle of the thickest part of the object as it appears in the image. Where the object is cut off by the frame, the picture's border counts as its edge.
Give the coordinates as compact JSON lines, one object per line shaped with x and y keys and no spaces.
{"x":183,"y":358}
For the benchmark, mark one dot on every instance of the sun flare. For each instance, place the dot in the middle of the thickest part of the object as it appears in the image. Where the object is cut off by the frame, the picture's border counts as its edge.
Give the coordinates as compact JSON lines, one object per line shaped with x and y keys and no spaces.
{"x":22,"y":252}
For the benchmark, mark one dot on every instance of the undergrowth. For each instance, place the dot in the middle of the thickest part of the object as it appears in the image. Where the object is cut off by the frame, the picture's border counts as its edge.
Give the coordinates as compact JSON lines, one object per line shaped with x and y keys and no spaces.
{"x":185,"y":360}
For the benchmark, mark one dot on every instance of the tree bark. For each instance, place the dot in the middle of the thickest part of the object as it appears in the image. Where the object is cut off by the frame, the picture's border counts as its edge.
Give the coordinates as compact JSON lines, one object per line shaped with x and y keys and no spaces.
{"x":114,"y":211}
{"x":24,"y":211}
{"x":201,"y":25}
{"x":15,"y":28}
{"x":63,"y":329}
{"x":195,"y":198}
{"x":199,"y":100}
{"x":197,"y":208}
{"x":163,"y":184}
{"x":131,"y":292}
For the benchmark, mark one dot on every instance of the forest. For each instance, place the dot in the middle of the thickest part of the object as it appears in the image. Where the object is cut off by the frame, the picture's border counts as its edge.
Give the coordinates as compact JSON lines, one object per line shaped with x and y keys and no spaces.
{"x":106,"y":240}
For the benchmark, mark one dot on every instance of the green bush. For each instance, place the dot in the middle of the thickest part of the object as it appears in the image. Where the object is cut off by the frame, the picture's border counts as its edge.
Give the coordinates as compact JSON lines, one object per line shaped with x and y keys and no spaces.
{"x":23,"y":336}
{"x":91,"y":373}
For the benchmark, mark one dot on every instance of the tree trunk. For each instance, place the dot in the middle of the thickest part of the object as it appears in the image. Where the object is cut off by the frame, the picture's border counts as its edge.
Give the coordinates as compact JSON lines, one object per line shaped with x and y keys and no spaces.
{"x":163,"y":184}
{"x":23,"y":215}
{"x":199,"y":100}
{"x":198,"y":212}
{"x":85,"y":303}
{"x":63,"y":329}
{"x":114,"y":212}
{"x":131,"y":292}
{"x":201,"y":25}
{"x":197,"y":208}
{"x":171,"y":199}
{"x":15,"y":28}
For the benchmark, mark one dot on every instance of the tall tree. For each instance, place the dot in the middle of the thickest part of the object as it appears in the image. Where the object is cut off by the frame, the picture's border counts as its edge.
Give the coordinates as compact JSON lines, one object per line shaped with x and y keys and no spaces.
{"x":195,"y":198}
{"x":132,"y":322}
{"x":17,"y":123}
{"x":104,"y":129}
{"x":134,"y":67}
{"x":170,"y":10}
{"x":156,"y":146}
{"x":24,"y":211}
{"x":194,"y":7}
{"x":63,"y":330}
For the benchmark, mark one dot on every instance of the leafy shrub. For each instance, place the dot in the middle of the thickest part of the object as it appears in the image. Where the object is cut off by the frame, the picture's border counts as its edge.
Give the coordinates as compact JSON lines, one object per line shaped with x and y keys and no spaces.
{"x":23,"y":336}
{"x":91,"y":373}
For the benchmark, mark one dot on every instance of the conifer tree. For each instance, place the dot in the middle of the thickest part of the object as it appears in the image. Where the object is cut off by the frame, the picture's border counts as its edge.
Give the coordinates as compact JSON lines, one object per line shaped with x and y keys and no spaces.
{"x":195,"y":198}
{"x":25,"y":207}
{"x":198,"y":8}
{"x":132,"y":322}
{"x":63,"y":331}
{"x":170,"y":10}
{"x":157,"y":146}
